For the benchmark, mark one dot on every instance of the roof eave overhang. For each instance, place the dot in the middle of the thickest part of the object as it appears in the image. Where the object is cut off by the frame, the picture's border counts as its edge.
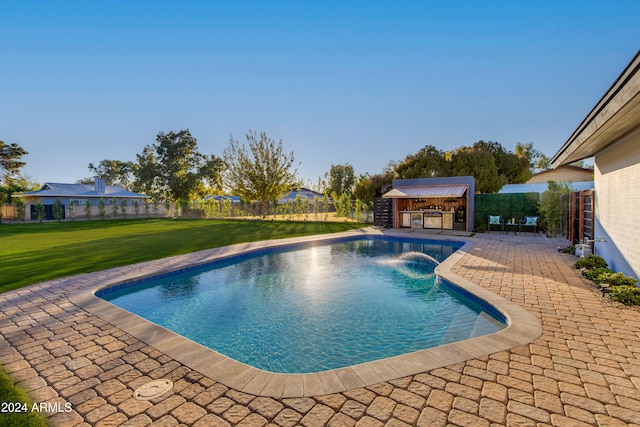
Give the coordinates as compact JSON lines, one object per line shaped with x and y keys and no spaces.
{"x":615,"y":115}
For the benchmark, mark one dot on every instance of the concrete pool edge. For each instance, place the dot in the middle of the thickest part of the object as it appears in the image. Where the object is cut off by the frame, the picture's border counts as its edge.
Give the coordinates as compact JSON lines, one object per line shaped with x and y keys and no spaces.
{"x":522,"y":329}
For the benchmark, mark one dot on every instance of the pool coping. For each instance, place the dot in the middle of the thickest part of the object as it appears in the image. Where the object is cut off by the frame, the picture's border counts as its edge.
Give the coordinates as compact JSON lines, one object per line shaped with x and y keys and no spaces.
{"x":522,"y":328}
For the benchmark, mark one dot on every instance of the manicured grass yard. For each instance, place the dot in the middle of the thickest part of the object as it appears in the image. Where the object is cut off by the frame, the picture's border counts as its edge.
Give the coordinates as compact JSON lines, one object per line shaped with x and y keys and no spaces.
{"x":32,"y":253}
{"x":20,"y":412}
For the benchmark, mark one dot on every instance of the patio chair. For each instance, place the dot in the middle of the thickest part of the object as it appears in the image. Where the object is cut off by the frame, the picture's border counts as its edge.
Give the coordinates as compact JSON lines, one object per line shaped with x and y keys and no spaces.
{"x":495,"y":220}
{"x":530,"y":221}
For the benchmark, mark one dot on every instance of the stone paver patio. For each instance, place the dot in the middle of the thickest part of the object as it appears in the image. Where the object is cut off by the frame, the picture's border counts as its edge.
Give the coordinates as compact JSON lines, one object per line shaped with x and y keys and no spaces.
{"x":583,"y":370}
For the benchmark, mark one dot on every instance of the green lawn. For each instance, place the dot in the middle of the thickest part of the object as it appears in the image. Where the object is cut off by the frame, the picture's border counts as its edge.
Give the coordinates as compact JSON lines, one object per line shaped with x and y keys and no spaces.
{"x":32,"y":253}
{"x":19,"y":410}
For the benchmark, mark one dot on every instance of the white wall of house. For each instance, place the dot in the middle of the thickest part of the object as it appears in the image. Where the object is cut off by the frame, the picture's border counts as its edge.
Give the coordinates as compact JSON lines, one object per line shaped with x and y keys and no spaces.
{"x":617,"y":177}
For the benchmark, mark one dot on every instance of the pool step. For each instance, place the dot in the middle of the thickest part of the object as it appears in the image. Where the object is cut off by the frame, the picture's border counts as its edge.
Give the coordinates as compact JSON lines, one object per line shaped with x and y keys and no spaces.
{"x":458,"y":329}
{"x":461,"y":330}
{"x":485,"y":324}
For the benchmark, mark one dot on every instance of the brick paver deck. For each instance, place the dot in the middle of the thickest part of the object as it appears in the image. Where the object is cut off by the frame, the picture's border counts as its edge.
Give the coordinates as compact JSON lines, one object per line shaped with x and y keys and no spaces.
{"x":583,"y":370}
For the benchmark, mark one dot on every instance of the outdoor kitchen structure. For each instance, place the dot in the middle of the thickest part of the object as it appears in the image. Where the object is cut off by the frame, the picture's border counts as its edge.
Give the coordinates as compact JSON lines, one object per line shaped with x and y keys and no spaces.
{"x":432,"y":203}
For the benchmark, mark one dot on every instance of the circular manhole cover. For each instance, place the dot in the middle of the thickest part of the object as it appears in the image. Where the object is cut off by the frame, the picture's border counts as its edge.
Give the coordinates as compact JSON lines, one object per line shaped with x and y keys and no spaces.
{"x":152,"y":389}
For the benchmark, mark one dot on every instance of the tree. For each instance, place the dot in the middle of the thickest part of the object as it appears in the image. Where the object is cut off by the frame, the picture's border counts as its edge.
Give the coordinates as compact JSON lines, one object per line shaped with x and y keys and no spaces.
{"x":369,"y":187}
{"x":535,"y":157}
{"x":114,"y":172}
{"x":526,"y":151}
{"x":340,"y":179}
{"x":342,"y":204}
{"x":479,"y":164}
{"x":18,"y":184}
{"x":514,"y":169}
{"x":261,"y":172}
{"x":40,"y":211}
{"x":543,"y":162}
{"x":364,"y":189}
{"x":10,"y":163}
{"x":551,"y":206}
{"x":173,"y":169}
{"x":429,"y":162}
{"x":58,"y":210}
{"x":21,"y":209}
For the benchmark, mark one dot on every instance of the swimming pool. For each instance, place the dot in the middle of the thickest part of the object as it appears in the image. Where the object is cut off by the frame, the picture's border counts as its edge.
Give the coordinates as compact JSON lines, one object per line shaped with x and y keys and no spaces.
{"x":315,"y":307}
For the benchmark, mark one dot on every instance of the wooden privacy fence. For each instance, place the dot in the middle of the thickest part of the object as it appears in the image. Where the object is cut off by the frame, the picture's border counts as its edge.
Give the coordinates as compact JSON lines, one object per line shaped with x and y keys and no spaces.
{"x":383,"y":212}
{"x":578,"y":219}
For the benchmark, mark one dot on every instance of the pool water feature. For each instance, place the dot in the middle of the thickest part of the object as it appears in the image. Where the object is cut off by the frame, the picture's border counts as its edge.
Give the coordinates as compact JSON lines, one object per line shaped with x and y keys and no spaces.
{"x":315,"y":307}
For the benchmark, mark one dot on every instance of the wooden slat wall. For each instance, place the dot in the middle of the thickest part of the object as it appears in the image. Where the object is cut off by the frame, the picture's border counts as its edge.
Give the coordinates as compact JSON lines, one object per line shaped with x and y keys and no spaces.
{"x":581,"y":221}
{"x":383,"y":212}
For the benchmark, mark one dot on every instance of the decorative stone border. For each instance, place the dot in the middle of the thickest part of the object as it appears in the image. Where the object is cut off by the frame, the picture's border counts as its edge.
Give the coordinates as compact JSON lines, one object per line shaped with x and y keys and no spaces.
{"x":522,"y":329}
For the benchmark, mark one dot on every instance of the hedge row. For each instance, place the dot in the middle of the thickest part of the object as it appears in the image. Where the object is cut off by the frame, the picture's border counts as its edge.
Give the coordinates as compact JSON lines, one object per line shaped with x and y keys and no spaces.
{"x":509,"y":205}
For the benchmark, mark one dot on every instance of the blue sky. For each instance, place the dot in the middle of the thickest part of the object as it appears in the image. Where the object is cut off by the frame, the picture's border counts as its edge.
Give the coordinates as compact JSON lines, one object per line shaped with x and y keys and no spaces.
{"x":359,"y":82}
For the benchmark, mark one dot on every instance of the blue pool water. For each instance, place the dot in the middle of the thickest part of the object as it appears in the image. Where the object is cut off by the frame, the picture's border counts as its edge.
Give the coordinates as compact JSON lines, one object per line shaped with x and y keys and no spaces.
{"x":314,"y":308}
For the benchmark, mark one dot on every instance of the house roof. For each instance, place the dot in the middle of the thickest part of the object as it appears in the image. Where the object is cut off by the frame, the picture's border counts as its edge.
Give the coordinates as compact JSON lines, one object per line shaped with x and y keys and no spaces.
{"x":81,"y":191}
{"x":304,"y":192}
{"x":218,"y":198}
{"x":615,"y":115}
{"x":426,"y":191}
{"x":576,"y":174}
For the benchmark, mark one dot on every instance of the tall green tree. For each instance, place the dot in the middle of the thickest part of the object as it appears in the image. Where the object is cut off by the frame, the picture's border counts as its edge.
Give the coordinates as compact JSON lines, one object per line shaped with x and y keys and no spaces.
{"x":259,"y":171}
{"x":429,"y":162}
{"x":173,"y":169}
{"x":17,"y":184}
{"x":535,"y":157}
{"x":479,"y":164}
{"x":526,"y":151}
{"x":114,"y":172}
{"x":340,"y":179}
{"x":364,"y":189}
{"x":10,"y":163}
{"x":513,"y":168}
{"x":543,"y":162}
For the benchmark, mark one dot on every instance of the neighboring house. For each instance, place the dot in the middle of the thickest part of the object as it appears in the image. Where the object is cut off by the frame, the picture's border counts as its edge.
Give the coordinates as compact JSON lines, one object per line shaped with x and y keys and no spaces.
{"x":564,"y":173}
{"x":221,"y":199}
{"x":304,"y":193}
{"x":80,"y":194}
{"x":611,"y":134}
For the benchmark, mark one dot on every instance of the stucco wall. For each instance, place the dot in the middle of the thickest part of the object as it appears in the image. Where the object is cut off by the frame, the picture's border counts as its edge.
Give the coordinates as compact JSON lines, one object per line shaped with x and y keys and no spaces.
{"x":617,"y":176}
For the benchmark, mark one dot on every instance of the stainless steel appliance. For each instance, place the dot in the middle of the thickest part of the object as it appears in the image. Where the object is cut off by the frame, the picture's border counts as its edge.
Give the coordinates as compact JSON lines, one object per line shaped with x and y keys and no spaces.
{"x":432,"y":219}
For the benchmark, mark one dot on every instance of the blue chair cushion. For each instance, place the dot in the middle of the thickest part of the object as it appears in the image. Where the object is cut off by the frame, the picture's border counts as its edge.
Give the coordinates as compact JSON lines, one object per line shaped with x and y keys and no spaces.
{"x":494,"y":219}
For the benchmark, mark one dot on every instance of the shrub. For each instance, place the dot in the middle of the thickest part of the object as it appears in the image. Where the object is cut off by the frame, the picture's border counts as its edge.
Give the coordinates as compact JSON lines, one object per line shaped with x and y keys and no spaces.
{"x":595,"y":274}
{"x":629,"y":295}
{"x":58,"y":210}
{"x":510,"y":205}
{"x":87,"y":208}
{"x":114,"y":207}
{"x":102,"y":210}
{"x":40,"y":211}
{"x":617,"y":279}
{"x":551,"y":207}
{"x":590,"y":262}
{"x":569,"y":250}
{"x":21,"y":209}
